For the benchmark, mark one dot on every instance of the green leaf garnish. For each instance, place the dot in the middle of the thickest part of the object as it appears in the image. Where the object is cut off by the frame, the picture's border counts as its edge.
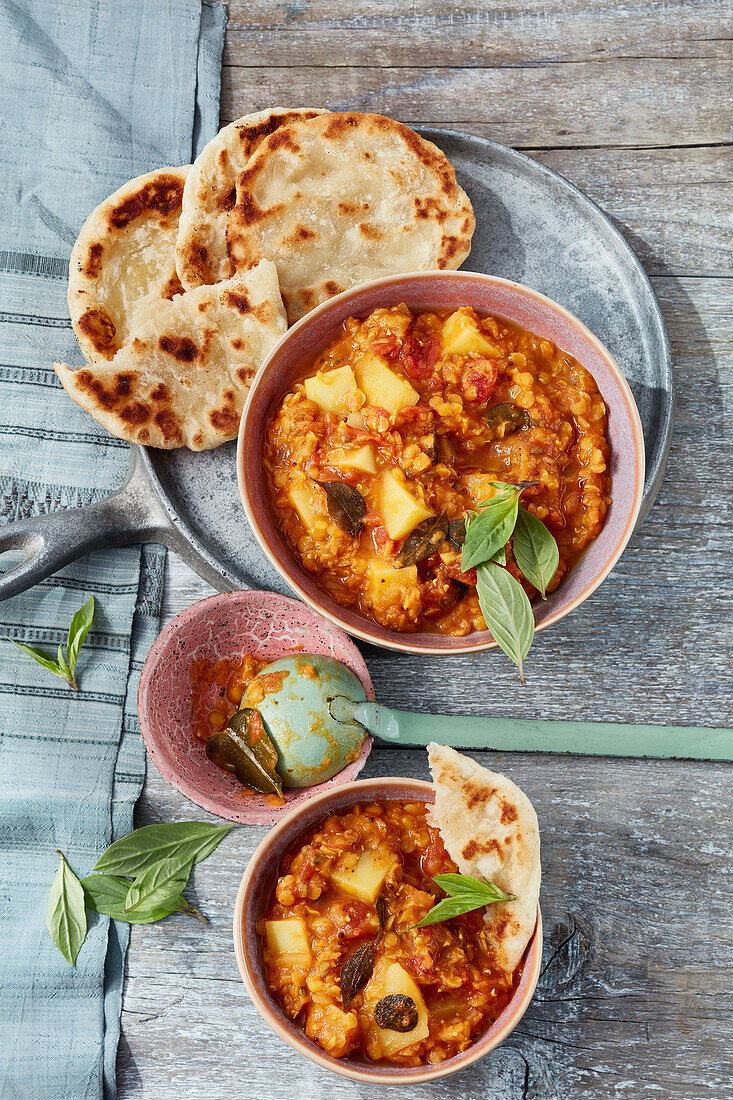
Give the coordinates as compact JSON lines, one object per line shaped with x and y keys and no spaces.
{"x":508,"y":613}
{"x":66,"y":919}
{"x":65,"y":667}
{"x":535,"y":550}
{"x":187,"y":841}
{"x":159,"y":859}
{"x":464,"y":895}
{"x":488,"y":530}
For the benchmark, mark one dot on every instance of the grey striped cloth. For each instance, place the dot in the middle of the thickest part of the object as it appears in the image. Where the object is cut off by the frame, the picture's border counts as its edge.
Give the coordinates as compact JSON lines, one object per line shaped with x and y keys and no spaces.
{"x":94,"y":93}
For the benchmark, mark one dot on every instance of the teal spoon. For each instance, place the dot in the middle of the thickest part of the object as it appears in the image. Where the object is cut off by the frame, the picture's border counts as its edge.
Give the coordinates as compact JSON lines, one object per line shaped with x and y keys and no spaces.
{"x":317,"y":717}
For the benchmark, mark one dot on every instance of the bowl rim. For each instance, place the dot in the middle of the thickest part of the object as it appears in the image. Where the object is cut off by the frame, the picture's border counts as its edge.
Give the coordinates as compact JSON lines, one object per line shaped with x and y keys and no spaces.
{"x":205,"y":801}
{"x":395,"y":640}
{"x":297,"y":1040}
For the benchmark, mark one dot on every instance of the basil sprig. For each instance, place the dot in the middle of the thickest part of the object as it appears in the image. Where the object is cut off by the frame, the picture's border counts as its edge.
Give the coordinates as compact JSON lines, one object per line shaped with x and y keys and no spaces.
{"x":488,"y":530}
{"x":65,"y":667}
{"x":464,"y":895}
{"x":508,"y":613}
{"x":139,"y":879}
{"x":535,"y":551}
{"x":504,"y":604}
{"x":66,"y":919}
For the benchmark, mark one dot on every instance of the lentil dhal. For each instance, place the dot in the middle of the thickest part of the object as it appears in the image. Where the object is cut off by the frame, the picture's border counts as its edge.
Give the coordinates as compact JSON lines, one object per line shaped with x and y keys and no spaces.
{"x":358,"y":884}
{"x":409,"y":416}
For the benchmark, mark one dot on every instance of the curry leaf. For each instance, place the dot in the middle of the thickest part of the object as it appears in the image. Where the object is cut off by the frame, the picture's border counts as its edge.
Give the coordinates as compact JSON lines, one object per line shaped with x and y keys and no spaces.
{"x":187,"y":841}
{"x":508,"y":613}
{"x":464,"y":895}
{"x":78,"y":630}
{"x":535,"y":550}
{"x":66,"y":919}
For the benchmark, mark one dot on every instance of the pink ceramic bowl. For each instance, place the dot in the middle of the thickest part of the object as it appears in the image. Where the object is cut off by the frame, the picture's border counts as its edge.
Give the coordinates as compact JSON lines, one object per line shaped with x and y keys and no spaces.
{"x":227,"y":625}
{"x":252,"y":898}
{"x":444,"y":290}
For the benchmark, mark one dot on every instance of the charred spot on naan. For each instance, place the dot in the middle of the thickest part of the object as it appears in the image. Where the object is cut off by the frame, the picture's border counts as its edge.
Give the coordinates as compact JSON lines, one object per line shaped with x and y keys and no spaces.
{"x":162,"y":195}
{"x":181,"y":348}
{"x":94,"y":260}
{"x":100,"y":330}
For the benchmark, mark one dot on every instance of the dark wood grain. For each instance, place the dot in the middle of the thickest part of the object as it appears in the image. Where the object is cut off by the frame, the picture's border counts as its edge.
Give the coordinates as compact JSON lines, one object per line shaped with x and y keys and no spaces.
{"x":632,"y":103}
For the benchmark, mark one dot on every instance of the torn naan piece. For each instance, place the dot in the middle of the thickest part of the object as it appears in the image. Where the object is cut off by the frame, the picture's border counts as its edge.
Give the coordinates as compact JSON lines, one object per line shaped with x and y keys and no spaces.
{"x":339,"y":199}
{"x":123,"y":259}
{"x":183,"y":378}
{"x":210,"y":194}
{"x":489,"y":828}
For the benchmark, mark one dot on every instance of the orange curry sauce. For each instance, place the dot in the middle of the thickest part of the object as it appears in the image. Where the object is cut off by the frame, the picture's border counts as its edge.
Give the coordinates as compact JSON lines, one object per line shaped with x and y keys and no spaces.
{"x":378,"y":857}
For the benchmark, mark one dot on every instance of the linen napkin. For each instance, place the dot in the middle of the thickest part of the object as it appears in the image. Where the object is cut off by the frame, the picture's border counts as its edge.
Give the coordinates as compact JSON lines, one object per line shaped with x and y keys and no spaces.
{"x":94,"y":93}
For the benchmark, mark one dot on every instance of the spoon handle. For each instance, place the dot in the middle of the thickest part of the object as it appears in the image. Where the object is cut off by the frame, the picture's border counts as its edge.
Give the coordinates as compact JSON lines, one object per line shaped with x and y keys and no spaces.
{"x":517,"y":735}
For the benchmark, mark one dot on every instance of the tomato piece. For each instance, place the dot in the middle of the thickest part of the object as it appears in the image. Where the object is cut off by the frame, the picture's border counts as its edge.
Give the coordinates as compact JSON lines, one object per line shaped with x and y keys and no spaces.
{"x":418,"y":357}
{"x":479,"y":380}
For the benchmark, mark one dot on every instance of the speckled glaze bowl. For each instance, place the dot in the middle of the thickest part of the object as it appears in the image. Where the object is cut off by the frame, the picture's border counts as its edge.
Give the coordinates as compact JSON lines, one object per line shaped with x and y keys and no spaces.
{"x":444,"y":290}
{"x":252,"y":898}
{"x":227,"y":625}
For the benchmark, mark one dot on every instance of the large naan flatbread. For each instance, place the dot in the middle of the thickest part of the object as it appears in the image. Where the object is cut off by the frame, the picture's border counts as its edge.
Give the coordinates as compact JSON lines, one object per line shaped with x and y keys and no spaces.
{"x":489,"y":828}
{"x":183,"y":378}
{"x":124,"y":257}
{"x":210,"y":194}
{"x":342,"y":198}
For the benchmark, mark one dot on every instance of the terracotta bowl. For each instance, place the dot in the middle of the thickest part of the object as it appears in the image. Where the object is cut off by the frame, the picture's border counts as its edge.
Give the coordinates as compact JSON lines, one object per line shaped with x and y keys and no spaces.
{"x":444,"y":290}
{"x":252,"y":898}
{"x":227,"y":625}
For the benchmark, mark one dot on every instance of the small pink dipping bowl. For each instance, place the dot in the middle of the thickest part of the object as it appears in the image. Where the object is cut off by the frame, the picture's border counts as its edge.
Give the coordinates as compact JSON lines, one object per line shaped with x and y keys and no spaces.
{"x":252,"y":900}
{"x":289,"y":360}
{"x":230,"y":625}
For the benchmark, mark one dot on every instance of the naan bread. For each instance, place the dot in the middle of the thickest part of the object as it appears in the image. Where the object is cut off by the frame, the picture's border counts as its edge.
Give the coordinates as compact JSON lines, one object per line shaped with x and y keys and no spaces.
{"x":210,"y":193}
{"x":183,"y":378}
{"x":489,"y":828}
{"x":342,"y":198}
{"x":125,"y":257}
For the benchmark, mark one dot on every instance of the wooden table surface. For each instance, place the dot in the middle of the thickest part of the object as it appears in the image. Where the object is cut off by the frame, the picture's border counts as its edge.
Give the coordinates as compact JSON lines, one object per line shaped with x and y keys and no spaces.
{"x":632,"y":102}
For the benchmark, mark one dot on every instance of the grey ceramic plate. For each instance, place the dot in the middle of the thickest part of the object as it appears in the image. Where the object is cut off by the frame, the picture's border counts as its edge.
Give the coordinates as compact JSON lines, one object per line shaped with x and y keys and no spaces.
{"x":533,"y":227}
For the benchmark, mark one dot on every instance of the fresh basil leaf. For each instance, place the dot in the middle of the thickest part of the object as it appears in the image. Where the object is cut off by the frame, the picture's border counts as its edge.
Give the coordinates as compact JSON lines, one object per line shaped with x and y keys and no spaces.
{"x":66,"y":919}
{"x":535,"y":550}
{"x":159,"y":886}
{"x":39,"y":656}
{"x":489,"y":531}
{"x":188,"y":841}
{"x":465,"y":895}
{"x":508,"y":613}
{"x":460,"y":885}
{"x":64,"y":669}
{"x":500,"y":556}
{"x":108,"y":894}
{"x":78,"y":631}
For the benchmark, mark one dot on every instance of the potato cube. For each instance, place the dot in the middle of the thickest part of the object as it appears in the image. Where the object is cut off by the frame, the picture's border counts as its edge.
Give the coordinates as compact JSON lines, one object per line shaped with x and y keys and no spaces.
{"x":288,"y":939}
{"x":399,"y":509}
{"x":382,"y":386}
{"x":363,"y":878}
{"x":389,"y":979}
{"x":331,"y":390}
{"x":363,"y":459}
{"x":461,"y":336}
{"x":302,"y":498}
{"x":381,"y":576}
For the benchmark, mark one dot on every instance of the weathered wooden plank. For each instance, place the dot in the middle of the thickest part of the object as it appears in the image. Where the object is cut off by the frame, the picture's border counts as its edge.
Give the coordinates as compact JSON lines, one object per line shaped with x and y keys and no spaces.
{"x":623,"y":102}
{"x":435,"y":33}
{"x":648,"y":646}
{"x":634,"y":999}
{"x":674,"y":206}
